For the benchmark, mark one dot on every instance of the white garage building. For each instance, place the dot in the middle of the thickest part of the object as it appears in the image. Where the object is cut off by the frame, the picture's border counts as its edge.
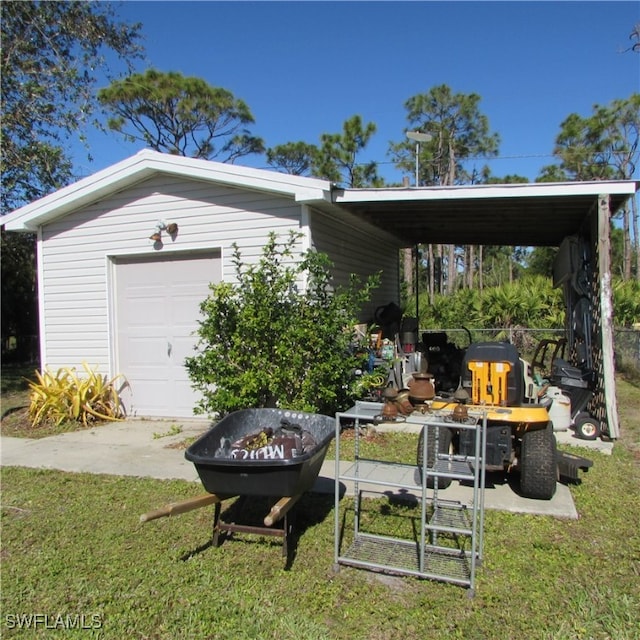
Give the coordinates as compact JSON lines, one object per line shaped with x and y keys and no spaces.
{"x":112,"y":297}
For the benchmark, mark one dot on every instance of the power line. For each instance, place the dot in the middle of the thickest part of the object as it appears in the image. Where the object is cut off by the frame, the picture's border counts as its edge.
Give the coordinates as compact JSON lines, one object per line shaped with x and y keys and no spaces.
{"x":488,"y":158}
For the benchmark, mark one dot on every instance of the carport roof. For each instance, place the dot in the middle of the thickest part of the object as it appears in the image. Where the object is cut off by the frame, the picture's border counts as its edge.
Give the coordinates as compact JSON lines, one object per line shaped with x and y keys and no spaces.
{"x":536,"y":214}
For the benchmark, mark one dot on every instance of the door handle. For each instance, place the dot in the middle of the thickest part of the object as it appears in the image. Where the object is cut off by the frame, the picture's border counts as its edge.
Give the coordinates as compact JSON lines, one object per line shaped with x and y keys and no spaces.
{"x":169,"y":349}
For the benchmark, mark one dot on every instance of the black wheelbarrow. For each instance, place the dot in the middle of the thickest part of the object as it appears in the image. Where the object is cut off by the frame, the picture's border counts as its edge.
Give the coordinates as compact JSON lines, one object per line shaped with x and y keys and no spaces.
{"x":270,"y":453}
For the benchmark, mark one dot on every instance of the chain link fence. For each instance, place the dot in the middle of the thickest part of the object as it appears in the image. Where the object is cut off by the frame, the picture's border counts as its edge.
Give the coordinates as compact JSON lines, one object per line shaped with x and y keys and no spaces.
{"x":626,"y":341}
{"x":627,"y":349}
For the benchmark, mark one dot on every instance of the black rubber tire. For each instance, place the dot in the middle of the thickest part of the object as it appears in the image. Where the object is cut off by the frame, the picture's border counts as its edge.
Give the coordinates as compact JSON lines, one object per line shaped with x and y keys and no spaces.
{"x":444,"y":446}
{"x":587,"y":427}
{"x":538,"y":464}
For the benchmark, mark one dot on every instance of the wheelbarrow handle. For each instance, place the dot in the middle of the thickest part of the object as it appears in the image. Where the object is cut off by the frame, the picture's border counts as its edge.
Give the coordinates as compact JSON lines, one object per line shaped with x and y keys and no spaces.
{"x":174,"y":508}
{"x":280,"y":508}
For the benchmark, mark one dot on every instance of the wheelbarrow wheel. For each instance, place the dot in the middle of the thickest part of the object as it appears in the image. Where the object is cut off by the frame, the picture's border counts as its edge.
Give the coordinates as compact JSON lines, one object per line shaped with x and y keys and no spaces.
{"x":587,"y":427}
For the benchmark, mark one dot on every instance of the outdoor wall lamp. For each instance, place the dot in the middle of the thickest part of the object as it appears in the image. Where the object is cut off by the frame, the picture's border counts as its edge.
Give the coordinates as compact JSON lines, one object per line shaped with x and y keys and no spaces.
{"x":171,"y":228}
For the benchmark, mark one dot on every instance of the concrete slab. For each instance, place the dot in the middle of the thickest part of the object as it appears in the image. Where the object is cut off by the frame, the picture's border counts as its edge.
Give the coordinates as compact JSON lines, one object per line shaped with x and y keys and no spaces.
{"x":149,"y":448}
{"x":141,"y":448}
{"x":499,"y":494}
{"x":569,"y":437}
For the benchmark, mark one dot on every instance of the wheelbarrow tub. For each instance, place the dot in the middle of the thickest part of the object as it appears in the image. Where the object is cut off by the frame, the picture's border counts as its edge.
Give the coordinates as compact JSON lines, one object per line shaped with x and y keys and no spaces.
{"x":226,"y":477}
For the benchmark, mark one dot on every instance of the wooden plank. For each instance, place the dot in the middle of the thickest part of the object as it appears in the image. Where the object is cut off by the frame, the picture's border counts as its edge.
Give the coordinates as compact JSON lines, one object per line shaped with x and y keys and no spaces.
{"x":279,"y":509}
{"x":606,"y":316}
{"x":174,"y":508}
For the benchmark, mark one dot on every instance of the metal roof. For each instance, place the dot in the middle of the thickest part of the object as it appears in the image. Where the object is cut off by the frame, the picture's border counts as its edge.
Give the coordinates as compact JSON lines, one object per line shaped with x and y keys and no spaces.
{"x":536,"y":214}
{"x":532,"y":214}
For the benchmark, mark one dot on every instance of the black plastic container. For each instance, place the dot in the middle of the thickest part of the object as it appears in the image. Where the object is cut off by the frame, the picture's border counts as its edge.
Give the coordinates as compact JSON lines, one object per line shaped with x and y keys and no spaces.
{"x":228,"y":477}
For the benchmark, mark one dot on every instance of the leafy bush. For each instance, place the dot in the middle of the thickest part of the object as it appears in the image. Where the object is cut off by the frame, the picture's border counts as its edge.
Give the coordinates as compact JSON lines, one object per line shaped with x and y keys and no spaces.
{"x":264,"y":344}
{"x":626,"y":302}
{"x":531,"y":301}
{"x":64,"y":396}
{"x":528,"y":302}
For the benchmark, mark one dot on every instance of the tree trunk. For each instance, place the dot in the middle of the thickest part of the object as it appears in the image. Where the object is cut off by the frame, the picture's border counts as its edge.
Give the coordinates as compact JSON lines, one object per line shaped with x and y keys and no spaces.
{"x":470,"y":266}
{"x":451,"y":270}
{"x":636,"y":241}
{"x":407,"y":262}
{"x":432,"y":273}
{"x":626,"y":259}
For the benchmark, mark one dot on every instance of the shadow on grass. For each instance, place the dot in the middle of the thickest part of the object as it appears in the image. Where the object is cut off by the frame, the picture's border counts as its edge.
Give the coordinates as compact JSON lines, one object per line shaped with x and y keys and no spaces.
{"x":10,"y":410}
{"x":250,"y":511}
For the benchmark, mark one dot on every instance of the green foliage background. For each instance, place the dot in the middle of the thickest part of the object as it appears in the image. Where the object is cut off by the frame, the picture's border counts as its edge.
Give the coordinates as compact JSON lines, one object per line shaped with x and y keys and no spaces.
{"x":530,"y":301}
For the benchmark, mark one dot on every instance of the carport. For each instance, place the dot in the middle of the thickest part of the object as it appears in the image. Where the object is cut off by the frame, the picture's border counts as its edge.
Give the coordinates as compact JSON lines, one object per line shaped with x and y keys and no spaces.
{"x":565,"y":215}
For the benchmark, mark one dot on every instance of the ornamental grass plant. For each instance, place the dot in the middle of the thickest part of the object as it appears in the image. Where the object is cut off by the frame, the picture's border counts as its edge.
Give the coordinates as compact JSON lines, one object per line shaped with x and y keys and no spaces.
{"x":65,"y":396}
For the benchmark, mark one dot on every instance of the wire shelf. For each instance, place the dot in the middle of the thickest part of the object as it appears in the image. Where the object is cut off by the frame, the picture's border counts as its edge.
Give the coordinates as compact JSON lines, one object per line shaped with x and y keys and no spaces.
{"x":403,"y":557}
{"x":446,"y":544}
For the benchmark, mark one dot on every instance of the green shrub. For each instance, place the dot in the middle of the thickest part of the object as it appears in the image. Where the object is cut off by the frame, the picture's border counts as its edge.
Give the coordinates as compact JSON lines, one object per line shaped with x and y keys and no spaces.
{"x":64,"y":396}
{"x":263,"y":344}
{"x":530,"y":301}
{"x":626,"y":302}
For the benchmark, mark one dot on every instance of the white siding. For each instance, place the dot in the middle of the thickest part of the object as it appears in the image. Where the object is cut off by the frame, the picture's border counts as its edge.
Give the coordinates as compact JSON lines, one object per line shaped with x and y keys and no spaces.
{"x":75,"y":305}
{"x":360,"y":249}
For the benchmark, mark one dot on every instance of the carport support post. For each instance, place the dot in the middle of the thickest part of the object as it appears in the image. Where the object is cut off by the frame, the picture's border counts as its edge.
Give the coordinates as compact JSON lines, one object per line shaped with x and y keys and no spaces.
{"x":417,"y":288}
{"x":606,"y":315}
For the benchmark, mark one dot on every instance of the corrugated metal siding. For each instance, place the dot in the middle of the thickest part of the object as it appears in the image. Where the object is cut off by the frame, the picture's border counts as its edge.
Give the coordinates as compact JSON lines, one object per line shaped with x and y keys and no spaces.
{"x":361,"y":250}
{"x":74,"y":266}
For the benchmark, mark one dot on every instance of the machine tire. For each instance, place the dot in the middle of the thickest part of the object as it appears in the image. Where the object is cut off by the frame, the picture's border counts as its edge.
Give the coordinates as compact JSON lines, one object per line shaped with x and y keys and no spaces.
{"x":587,"y":427}
{"x":444,"y":446}
{"x":538,"y":464}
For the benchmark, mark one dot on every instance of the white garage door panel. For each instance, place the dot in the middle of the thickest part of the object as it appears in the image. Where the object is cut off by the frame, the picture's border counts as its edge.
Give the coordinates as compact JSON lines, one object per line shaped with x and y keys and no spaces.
{"x":183,"y":347}
{"x":143,"y":312}
{"x":145,"y":352}
{"x":152,"y":393}
{"x":183,"y":387}
{"x":157,"y":312}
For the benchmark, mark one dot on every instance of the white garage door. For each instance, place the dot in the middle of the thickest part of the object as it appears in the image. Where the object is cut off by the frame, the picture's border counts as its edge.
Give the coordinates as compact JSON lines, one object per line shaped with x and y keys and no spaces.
{"x":157,"y":312}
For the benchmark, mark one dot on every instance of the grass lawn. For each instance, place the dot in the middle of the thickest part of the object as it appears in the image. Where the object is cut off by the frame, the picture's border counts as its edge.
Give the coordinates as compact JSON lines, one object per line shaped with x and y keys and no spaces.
{"x":73,"y":550}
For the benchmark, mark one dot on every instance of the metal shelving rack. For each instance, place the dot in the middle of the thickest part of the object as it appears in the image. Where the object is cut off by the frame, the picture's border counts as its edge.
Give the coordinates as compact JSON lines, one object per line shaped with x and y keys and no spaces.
{"x":448,"y":545}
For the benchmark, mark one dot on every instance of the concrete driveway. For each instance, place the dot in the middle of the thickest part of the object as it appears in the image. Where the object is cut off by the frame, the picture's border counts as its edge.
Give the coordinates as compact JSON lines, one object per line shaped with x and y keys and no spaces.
{"x":143,"y":448}
{"x":151,"y":448}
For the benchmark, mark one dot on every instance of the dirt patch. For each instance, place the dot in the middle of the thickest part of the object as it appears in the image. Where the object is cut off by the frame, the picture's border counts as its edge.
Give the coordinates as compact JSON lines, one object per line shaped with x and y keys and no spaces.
{"x":183,"y":444}
{"x":15,"y":423}
{"x":370,"y":434}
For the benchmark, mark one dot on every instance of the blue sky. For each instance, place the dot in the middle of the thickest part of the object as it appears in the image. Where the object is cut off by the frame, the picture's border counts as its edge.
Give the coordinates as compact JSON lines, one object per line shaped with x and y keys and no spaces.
{"x":303,"y":68}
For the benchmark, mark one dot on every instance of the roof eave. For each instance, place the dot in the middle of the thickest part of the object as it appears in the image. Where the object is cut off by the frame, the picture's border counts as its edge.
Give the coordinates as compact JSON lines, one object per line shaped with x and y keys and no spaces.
{"x":481,"y":192}
{"x":147,"y":163}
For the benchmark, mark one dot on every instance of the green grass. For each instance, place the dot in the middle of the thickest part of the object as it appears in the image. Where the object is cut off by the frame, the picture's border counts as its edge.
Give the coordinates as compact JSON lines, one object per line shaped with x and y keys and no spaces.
{"x":72,"y":544}
{"x":14,"y":387}
{"x":392,"y":447}
{"x":15,"y":379}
